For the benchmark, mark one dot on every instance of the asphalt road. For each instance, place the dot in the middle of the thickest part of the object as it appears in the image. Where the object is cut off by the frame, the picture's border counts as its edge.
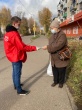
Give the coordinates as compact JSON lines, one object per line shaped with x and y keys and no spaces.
{"x":34,"y":77}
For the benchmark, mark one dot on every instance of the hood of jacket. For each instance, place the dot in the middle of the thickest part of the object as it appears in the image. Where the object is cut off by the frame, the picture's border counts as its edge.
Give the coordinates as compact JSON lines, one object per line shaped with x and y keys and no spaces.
{"x":10,"y":28}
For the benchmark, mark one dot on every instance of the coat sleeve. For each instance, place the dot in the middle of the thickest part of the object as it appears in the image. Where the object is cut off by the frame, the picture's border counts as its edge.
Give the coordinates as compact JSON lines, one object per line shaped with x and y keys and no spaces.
{"x":54,"y":46}
{"x":21,"y":46}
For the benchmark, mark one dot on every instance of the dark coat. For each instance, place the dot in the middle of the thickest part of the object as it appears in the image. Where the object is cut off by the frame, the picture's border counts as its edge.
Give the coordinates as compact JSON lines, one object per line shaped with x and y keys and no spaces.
{"x":56,"y":42}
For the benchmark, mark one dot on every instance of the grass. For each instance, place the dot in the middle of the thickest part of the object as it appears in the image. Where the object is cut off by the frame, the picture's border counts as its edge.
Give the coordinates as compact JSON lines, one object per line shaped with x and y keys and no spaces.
{"x":75,"y":71}
{"x":36,"y":36}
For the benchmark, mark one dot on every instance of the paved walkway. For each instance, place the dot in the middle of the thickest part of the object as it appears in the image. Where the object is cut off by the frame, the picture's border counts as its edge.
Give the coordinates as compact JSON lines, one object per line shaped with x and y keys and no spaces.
{"x":42,"y":96}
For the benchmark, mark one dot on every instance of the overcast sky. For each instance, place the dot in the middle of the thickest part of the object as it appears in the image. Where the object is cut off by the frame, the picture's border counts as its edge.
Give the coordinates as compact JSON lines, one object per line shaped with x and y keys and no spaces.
{"x":30,"y":7}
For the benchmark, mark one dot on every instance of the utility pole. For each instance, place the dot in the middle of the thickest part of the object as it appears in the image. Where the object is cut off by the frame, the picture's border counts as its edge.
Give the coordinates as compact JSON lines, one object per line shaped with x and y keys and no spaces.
{"x":34,"y":28}
{"x":0,"y":26}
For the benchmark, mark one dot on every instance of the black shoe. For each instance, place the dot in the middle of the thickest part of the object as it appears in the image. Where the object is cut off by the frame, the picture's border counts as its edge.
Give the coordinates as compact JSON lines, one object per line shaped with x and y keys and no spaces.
{"x":14,"y":87}
{"x":60,"y":85}
{"x":20,"y":84}
{"x":54,"y":84}
{"x":23,"y":92}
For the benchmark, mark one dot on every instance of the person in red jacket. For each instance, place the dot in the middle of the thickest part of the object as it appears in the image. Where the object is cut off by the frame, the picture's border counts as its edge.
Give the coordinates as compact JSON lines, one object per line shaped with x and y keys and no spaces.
{"x":15,"y":51}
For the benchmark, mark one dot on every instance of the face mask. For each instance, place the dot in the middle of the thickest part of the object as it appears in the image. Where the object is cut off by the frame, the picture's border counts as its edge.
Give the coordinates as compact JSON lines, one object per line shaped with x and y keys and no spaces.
{"x":53,"y":31}
{"x":17,"y":27}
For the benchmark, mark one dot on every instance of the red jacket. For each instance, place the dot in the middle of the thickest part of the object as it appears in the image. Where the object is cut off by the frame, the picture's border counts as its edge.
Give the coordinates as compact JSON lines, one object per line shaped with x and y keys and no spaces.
{"x":15,"y":49}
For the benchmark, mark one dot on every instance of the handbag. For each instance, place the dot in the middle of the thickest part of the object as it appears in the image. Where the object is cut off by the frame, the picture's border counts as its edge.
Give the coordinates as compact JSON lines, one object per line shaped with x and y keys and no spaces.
{"x":65,"y":53}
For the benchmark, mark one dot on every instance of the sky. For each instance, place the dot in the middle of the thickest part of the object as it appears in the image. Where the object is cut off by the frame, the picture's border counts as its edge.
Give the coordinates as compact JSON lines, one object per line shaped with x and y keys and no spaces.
{"x":30,"y":7}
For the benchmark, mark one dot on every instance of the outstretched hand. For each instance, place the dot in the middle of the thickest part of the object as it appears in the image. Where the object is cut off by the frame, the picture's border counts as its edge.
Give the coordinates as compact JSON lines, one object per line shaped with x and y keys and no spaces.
{"x":38,"y":48}
{"x":44,"y":47}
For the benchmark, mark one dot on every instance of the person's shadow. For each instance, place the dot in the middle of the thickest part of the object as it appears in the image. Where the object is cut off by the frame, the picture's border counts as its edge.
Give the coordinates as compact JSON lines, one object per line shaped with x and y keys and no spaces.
{"x":36,"y":76}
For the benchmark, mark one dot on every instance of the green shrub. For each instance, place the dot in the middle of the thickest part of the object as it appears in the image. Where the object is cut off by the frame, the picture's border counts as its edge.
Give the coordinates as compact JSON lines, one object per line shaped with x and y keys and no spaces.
{"x":75,"y":71}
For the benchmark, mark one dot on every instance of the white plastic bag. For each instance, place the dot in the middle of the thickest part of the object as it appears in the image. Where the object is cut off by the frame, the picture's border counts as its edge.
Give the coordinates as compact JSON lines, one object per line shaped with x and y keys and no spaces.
{"x":49,"y":70}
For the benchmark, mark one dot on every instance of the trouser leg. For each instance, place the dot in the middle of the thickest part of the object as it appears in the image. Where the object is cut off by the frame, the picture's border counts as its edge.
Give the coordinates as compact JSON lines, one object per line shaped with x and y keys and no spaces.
{"x":17,"y":66}
{"x":62,"y":72}
{"x":55,"y":74}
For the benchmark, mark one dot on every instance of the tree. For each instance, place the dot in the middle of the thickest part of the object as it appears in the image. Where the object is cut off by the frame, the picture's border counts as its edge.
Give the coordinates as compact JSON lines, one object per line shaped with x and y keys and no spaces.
{"x":0,"y":33}
{"x":5,"y":16}
{"x":45,"y":18}
{"x":20,"y":14}
{"x":24,"y":26}
{"x":37,"y":28}
{"x":31,"y":23}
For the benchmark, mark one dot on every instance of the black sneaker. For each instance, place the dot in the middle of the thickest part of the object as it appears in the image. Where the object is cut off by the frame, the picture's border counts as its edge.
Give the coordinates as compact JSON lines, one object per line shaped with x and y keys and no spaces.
{"x":20,"y":84}
{"x":23,"y":92}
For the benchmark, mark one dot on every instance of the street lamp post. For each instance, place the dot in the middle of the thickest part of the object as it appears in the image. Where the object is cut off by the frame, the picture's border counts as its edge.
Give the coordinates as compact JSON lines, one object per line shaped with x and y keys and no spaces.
{"x":34,"y":28}
{"x":0,"y":26}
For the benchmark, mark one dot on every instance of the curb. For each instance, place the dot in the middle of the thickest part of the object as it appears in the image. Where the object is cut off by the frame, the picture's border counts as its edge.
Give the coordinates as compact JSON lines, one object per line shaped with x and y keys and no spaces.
{"x":71,"y":100}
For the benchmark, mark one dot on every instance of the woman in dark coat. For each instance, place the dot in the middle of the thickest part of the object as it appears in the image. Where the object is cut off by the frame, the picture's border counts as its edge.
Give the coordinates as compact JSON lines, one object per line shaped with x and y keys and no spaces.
{"x":56,"y":42}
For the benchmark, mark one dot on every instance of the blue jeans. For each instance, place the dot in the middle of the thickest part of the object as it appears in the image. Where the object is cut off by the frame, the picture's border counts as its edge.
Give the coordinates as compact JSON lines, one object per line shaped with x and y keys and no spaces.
{"x":16,"y":75}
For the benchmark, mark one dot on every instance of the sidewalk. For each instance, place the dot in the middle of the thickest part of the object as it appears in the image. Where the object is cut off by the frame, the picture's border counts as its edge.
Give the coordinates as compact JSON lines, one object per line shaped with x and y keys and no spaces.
{"x":42,"y":96}
{"x":2,"y":54}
